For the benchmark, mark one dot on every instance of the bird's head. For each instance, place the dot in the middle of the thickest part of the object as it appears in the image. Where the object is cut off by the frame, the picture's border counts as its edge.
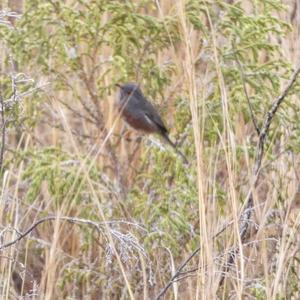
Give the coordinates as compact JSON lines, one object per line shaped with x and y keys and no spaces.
{"x":129,"y":90}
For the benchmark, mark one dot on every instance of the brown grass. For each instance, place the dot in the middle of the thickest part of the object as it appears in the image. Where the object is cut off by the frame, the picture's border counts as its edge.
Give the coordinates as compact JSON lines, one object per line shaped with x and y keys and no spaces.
{"x":124,"y":261}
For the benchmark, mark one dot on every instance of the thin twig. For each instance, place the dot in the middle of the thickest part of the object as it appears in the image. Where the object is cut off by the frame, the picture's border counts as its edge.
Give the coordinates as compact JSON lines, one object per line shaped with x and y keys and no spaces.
{"x":178,"y":272}
{"x":3,"y":130}
{"x":247,"y":212}
{"x":98,"y":226}
{"x":49,"y":218}
{"x":243,"y":78}
{"x":163,"y":291}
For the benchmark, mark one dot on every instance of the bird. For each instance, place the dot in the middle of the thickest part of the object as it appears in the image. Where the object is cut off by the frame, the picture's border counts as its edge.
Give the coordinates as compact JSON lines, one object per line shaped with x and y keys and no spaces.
{"x":141,"y":115}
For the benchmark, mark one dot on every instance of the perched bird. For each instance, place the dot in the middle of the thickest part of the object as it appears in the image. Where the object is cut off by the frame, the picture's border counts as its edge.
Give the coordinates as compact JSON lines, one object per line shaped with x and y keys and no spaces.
{"x":140,"y":114}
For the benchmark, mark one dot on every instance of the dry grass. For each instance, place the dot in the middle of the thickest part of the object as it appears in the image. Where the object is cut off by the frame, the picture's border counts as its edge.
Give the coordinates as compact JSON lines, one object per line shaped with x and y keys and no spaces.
{"x":117,"y":215}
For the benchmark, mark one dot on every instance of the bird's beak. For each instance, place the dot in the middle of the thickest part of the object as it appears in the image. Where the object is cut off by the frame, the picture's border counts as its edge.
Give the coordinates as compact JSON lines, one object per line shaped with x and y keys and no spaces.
{"x":118,"y":85}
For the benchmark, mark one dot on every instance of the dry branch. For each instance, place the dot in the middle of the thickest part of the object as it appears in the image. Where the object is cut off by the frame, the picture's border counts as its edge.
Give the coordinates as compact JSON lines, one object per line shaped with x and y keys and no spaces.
{"x":243,"y":78}
{"x":3,"y":131}
{"x":248,"y":209}
{"x":178,"y":272}
{"x":100,"y":227}
{"x":247,"y":212}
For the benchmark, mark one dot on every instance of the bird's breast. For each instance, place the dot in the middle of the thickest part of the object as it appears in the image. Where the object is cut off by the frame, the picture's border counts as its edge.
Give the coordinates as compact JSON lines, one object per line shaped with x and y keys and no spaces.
{"x":138,"y":121}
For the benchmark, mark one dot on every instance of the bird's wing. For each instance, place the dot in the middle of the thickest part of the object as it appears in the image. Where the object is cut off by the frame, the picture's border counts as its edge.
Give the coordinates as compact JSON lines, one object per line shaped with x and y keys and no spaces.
{"x":153,"y":115}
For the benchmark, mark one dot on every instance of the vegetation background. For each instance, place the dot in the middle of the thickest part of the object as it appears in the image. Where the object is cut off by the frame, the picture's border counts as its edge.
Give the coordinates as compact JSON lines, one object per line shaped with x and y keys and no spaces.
{"x":120,"y":213}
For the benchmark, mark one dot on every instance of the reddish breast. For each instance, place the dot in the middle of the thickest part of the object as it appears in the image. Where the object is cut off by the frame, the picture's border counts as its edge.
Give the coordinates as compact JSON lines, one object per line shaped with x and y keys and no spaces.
{"x":138,"y":123}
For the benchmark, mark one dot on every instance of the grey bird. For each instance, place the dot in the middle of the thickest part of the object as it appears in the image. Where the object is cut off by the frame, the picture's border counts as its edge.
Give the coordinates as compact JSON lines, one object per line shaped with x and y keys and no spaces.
{"x":140,"y":114}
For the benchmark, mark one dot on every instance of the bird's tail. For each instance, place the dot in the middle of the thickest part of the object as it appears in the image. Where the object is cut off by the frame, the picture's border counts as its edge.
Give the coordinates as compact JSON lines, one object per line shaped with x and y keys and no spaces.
{"x":166,"y":137}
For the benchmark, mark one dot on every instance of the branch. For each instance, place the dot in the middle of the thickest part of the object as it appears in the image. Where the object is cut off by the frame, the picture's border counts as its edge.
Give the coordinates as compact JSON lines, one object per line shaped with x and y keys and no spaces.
{"x":247,"y":212}
{"x":243,"y":78}
{"x":171,"y":281}
{"x":99,"y":227}
{"x":178,"y":272}
{"x":3,"y":129}
{"x":43,"y":220}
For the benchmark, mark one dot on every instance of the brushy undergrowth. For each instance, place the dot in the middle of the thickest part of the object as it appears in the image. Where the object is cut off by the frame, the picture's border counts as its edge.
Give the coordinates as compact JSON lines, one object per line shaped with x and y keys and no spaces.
{"x":66,"y":153}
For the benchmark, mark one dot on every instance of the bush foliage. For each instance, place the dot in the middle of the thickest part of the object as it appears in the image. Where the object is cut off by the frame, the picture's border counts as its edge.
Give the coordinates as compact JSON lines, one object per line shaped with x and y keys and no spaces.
{"x":66,"y":152}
